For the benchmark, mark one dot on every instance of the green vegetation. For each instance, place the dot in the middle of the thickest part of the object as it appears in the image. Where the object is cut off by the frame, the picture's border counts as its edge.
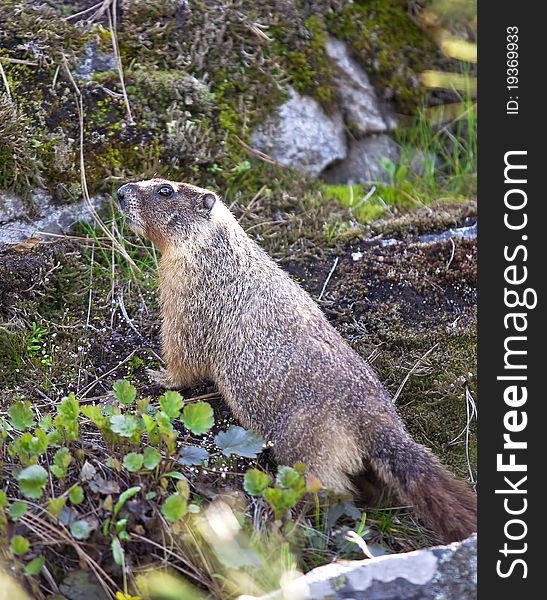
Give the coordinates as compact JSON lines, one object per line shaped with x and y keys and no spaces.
{"x":104,"y":470}
{"x":138,"y":467}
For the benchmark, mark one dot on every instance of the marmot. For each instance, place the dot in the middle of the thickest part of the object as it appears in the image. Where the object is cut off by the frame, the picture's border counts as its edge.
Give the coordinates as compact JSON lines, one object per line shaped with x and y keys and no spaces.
{"x":230,"y":314}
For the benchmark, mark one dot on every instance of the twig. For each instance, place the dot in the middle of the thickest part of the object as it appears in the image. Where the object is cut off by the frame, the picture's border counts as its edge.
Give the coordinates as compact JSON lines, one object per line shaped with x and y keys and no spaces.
{"x":83,"y":12}
{"x":470,"y":414}
{"x":416,"y":364}
{"x":6,"y":82}
{"x":331,"y":272}
{"x":261,"y":155}
{"x":18,"y":61}
{"x":83,"y":179}
{"x":363,"y":200}
{"x":452,"y":255}
{"x":112,"y":25}
{"x":121,"y":304}
{"x":88,"y":388}
{"x":90,"y":296}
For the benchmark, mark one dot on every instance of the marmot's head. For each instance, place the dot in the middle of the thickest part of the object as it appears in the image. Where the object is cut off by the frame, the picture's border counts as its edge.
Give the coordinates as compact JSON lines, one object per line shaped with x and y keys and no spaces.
{"x":164,"y":211}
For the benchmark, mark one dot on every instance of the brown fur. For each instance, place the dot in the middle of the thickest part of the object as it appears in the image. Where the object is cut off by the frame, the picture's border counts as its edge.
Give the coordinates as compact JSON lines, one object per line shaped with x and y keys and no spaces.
{"x":230,"y":314}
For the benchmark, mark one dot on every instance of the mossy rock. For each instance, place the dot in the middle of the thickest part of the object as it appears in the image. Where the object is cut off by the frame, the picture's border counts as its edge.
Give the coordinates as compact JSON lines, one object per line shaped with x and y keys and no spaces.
{"x":389,"y":44}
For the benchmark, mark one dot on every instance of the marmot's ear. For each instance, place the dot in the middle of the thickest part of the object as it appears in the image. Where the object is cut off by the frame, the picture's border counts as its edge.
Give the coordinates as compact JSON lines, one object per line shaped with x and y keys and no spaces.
{"x":206,"y":203}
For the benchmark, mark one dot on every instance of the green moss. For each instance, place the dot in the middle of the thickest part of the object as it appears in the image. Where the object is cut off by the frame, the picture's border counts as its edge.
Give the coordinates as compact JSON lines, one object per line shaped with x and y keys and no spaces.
{"x":392,"y":47}
{"x":385,"y":201}
{"x":307,"y":62}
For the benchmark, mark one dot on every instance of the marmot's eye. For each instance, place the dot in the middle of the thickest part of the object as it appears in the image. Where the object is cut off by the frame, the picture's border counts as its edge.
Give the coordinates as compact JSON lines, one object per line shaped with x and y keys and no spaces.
{"x":165,"y":190}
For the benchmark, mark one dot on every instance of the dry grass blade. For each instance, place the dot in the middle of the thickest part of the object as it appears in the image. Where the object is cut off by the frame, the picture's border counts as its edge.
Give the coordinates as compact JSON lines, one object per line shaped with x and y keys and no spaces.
{"x":112,"y":25}
{"x":414,"y":367}
{"x":58,"y":534}
{"x":85,"y":190}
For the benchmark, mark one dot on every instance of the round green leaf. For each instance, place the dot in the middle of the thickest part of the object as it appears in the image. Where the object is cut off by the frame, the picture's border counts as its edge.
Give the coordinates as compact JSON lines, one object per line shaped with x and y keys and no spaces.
{"x":124,"y":392}
{"x":21,"y":416}
{"x":35,"y":566}
{"x":152,"y":458}
{"x":80,"y":529}
{"x":288,"y":478}
{"x":133,"y":462}
{"x":174,"y":508}
{"x":124,"y":425}
{"x":32,"y":481}
{"x":255,"y":482}
{"x":19,"y":545}
{"x":198,"y":417}
{"x":76,"y":494}
{"x":171,"y":404}
{"x":239,"y":441}
{"x":193,"y":455}
{"x":17,"y":510}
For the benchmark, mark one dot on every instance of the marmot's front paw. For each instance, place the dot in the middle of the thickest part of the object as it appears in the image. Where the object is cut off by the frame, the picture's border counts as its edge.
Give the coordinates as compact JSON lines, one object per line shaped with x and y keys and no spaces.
{"x":161,"y":378}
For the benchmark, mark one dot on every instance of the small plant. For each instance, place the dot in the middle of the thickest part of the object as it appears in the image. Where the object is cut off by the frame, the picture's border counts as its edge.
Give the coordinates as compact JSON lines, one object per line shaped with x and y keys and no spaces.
{"x":287,"y":490}
{"x":146,"y":445}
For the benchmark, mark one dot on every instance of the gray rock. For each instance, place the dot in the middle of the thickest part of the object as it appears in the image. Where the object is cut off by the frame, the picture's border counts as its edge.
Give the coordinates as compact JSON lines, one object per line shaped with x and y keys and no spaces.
{"x":439,"y":573}
{"x":364,"y":161}
{"x":363,"y":112}
{"x":18,"y":222}
{"x":302,"y":136}
{"x":82,"y":585}
{"x":95,"y":61}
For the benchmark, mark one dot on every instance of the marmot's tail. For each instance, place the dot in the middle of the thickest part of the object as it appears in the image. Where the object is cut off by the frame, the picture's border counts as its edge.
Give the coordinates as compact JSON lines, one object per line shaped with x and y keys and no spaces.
{"x":417,"y":478}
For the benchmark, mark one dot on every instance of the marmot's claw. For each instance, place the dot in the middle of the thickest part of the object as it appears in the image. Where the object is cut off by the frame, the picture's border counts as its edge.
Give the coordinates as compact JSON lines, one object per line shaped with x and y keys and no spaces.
{"x":160,"y":377}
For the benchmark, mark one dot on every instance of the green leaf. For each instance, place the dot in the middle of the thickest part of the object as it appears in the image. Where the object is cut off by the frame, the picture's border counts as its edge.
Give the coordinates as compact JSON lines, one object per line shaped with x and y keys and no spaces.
{"x":164,"y":422}
{"x":124,"y":497}
{"x":149,"y":423}
{"x":300,"y":468}
{"x":54,"y":438}
{"x":198,"y":417}
{"x":94,"y":414}
{"x":255,"y":482}
{"x":3,"y":499}
{"x":56,"y":505}
{"x":35,"y":566}
{"x":175,"y":475}
{"x":17,"y":510}
{"x":121,"y":525}
{"x":288,"y":478}
{"x":117,"y":551}
{"x":171,"y":404}
{"x":21,"y":416}
{"x":124,"y":392}
{"x":19,"y":545}
{"x":174,"y":508}
{"x":76,"y":494}
{"x":133,"y":461}
{"x":46,"y":423}
{"x":280,"y":499}
{"x":32,"y":481}
{"x":193,"y":455}
{"x":30,"y":445}
{"x":69,"y":407}
{"x":239,"y":441}
{"x":62,"y":460}
{"x":142,"y":405}
{"x":183,"y":488}
{"x":80,"y":530}
{"x":66,"y":420}
{"x":124,"y":425}
{"x":152,"y":458}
